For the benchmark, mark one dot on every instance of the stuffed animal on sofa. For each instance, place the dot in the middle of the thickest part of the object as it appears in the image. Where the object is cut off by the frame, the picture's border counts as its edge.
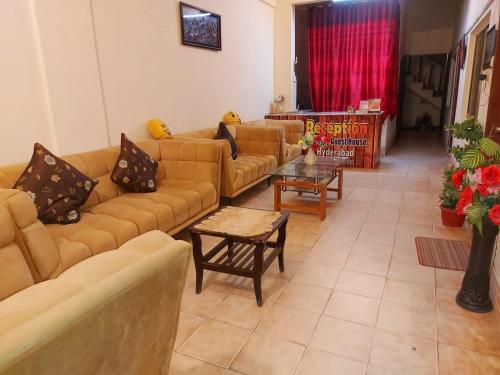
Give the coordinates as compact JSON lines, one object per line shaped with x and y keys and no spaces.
{"x":231,"y":118}
{"x":158,"y":129}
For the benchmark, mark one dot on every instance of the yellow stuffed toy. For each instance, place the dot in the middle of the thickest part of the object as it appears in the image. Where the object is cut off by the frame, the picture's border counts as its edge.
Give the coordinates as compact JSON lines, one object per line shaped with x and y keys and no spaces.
{"x":158,"y":129}
{"x":231,"y":118}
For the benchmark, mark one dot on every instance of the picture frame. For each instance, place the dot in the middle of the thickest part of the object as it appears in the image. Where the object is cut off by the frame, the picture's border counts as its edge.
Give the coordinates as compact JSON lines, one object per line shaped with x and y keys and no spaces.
{"x":200,"y":27}
{"x":489,"y":47}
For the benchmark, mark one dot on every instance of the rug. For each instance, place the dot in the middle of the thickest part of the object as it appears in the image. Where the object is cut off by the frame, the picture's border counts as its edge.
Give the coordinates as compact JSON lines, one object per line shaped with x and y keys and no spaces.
{"x":447,"y":254}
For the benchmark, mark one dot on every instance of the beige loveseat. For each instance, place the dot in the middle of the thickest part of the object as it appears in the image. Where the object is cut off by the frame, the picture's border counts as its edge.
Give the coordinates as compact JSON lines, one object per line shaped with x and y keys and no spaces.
{"x":259,"y":150}
{"x":113,"y":313}
{"x":293,"y":130}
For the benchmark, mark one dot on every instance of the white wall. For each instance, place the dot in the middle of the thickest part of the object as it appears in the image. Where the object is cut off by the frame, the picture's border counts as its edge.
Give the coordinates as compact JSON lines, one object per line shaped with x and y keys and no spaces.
{"x":76,"y":73}
{"x":24,"y":110}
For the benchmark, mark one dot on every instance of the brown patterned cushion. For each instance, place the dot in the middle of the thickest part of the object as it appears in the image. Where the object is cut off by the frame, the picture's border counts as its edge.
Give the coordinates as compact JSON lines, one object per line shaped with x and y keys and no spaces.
{"x":134,"y":170}
{"x":224,"y":133}
{"x":57,"y":188}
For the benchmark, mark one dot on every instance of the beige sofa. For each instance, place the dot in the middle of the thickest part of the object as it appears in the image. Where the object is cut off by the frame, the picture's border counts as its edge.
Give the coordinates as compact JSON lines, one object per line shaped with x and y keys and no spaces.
{"x":189,"y":188}
{"x":113,"y":313}
{"x":259,"y":149}
{"x":293,"y":130}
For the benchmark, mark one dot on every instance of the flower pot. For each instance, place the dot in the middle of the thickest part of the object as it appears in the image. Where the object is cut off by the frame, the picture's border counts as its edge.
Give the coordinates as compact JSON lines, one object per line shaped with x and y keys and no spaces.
{"x":474,"y":295}
{"x":451,"y":218}
{"x":310,"y":158}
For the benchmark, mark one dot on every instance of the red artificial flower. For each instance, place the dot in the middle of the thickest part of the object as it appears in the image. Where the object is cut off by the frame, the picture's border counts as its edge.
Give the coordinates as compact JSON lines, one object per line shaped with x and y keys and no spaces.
{"x":483,"y":189}
{"x":457,"y":178}
{"x":465,"y":200}
{"x":491,"y":175}
{"x":494,"y":214}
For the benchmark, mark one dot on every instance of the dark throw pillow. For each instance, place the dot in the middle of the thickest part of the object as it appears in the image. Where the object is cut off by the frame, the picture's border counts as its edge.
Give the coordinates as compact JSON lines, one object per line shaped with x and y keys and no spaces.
{"x":57,"y":188}
{"x":134,"y":170}
{"x":224,"y":133}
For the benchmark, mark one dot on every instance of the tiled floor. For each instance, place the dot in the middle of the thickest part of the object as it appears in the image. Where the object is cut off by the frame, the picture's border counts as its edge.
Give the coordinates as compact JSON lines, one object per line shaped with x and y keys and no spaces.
{"x":353,"y":298}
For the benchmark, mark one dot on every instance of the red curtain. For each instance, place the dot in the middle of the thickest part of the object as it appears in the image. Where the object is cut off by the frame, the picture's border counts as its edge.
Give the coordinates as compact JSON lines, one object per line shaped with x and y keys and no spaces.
{"x":354,"y":54}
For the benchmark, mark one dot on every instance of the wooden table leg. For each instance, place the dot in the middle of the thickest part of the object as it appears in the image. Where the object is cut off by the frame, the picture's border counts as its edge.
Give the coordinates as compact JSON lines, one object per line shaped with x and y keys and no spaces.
{"x":281,"y":245}
{"x":322,"y":201}
{"x":340,"y":183}
{"x":257,"y":272}
{"x":277,"y":196}
{"x":198,"y":258}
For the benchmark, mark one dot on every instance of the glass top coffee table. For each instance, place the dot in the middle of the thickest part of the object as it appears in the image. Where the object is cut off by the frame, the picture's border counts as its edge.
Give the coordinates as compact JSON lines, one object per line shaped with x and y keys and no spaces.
{"x":303,"y":178}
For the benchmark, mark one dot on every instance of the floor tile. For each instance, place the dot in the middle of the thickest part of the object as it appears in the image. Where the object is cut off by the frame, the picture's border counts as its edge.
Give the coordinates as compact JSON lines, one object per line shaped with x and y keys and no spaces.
{"x":408,"y":354}
{"x":241,"y":312}
{"x":289,"y":324}
{"x":453,"y":361}
{"x":317,"y":362}
{"x":412,"y":294}
{"x":353,"y":307}
{"x":376,"y":370}
{"x":319,"y":258}
{"x":359,"y":283}
{"x":449,"y":279}
{"x":372,"y":264}
{"x":407,"y":320}
{"x":187,"y":325}
{"x":304,"y":297}
{"x":184,"y":365}
{"x":298,"y":253}
{"x":469,"y":333}
{"x":445,"y":299}
{"x":319,"y":276}
{"x":202,"y":304}
{"x":411,"y":272}
{"x":271,"y":288}
{"x":291,"y":267}
{"x":343,"y":338}
{"x":266,"y":355}
{"x":215,"y":342}
{"x":378,"y":232}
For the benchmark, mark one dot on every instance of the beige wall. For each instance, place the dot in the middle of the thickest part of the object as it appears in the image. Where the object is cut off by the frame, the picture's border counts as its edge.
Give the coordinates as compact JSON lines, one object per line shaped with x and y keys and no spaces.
{"x":427,"y":26}
{"x":76,"y":73}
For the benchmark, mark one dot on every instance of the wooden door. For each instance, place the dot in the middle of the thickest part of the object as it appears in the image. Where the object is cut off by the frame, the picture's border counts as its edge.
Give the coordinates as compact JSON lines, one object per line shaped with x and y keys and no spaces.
{"x":492,"y":127}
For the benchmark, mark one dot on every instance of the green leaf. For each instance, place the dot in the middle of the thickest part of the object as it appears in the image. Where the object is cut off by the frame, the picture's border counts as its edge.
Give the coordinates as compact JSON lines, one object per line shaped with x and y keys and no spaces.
{"x":475,"y":215}
{"x":489,"y":147}
{"x":472,"y":159}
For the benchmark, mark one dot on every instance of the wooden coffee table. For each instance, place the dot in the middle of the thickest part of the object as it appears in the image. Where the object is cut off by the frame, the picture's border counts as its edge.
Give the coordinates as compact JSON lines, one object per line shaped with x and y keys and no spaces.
{"x":238,"y":255}
{"x":302,"y":178}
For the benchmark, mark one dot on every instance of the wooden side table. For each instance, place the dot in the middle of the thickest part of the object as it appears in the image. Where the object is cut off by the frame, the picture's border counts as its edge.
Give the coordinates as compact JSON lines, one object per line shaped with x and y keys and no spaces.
{"x":242,"y":256}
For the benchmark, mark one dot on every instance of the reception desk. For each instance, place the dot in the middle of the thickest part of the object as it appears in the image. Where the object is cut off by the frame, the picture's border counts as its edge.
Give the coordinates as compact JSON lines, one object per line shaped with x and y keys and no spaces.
{"x":356,"y":136}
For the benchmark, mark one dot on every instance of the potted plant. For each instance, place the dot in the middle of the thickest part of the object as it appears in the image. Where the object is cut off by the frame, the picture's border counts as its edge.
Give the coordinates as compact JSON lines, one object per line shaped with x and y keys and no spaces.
{"x":478,"y":180}
{"x":449,"y":197}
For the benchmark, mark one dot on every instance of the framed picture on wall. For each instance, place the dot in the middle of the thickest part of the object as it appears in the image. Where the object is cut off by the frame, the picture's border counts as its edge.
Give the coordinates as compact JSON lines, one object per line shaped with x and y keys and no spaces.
{"x":199,"y":27}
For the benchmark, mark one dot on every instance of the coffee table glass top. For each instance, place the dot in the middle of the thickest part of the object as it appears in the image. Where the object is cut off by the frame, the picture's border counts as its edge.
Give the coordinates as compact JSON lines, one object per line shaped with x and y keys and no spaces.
{"x":326,"y":166}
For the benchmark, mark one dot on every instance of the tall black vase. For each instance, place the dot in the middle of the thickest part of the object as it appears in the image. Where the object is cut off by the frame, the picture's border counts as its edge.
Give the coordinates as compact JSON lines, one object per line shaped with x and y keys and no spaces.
{"x":474,"y":295}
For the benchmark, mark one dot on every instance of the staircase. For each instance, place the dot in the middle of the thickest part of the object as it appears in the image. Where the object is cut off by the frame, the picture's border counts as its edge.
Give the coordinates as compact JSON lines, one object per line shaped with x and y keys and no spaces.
{"x":424,"y":80}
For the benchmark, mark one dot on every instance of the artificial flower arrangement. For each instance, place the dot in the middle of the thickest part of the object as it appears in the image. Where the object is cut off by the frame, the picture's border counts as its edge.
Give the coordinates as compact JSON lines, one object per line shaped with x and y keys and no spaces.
{"x":277,"y":103}
{"x":310,"y":140}
{"x":478,"y":177}
{"x":449,"y":198}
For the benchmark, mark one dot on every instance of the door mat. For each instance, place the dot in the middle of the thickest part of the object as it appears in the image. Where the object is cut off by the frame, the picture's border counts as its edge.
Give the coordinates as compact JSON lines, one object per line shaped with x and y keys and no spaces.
{"x":447,"y":254}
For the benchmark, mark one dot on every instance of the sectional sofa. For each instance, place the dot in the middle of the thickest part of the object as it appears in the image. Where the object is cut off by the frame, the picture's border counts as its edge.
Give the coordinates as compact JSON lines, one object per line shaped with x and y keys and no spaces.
{"x":102,"y":295}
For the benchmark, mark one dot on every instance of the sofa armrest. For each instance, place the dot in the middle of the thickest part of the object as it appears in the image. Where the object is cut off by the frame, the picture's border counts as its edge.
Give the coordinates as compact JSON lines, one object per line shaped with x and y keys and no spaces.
{"x":122,"y":323}
{"x":263,"y":140}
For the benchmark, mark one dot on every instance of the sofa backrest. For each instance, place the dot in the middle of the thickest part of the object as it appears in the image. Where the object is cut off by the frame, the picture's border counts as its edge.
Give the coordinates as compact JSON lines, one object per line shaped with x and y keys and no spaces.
{"x":97,"y":164}
{"x":294,"y":129}
{"x":208,"y":133}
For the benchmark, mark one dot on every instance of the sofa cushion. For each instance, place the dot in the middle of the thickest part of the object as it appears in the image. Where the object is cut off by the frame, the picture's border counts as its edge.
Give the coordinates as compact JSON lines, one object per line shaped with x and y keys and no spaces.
{"x":134,"y":170}
{"x":57,"y":188}
{"x":251,"y":167}
{"x":224,"y":133}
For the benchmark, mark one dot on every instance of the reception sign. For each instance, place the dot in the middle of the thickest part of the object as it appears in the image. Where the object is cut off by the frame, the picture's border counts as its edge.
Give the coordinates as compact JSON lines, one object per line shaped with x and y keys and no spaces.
{"x":356,"y":136}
